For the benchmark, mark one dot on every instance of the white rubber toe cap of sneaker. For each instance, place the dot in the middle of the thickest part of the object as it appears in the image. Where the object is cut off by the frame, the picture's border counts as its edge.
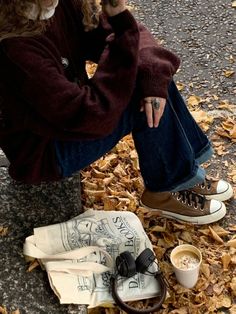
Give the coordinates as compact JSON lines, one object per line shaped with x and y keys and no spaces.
{"x":216,"y":206}
{"x":222,"y":186}
{"x":224,"y":191}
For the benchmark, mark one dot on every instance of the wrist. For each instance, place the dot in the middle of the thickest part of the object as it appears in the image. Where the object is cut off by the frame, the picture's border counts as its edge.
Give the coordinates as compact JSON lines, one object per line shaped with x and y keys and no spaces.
{"x":122,"y":22}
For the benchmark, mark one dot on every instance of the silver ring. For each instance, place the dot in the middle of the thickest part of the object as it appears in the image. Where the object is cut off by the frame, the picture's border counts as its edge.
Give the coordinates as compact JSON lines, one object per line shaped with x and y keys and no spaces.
{"x":155,"y":104}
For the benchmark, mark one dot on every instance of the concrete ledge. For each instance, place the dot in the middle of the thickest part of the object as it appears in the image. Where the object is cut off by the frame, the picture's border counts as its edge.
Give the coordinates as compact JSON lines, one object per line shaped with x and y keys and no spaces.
{"x":3,"y":161}
{"x":23,"y":207}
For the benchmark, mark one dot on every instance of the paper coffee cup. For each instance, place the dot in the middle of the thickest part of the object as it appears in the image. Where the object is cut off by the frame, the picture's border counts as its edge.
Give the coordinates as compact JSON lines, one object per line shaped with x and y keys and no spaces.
{"x":186,"y":260}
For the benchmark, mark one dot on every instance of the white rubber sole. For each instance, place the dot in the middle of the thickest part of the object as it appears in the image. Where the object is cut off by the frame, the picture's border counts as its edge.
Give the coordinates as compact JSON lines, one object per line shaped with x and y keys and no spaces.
{"x":199,"y":220}
{"x":222,"y":196}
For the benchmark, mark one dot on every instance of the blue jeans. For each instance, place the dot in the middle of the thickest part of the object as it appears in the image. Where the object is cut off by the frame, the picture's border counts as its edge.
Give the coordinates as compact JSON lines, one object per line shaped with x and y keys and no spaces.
{"x":169,"y":156}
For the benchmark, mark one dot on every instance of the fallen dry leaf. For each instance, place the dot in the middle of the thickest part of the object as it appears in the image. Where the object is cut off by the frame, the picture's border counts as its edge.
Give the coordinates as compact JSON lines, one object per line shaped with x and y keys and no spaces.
{"x":232,"y":227}
{"x":186,"y":236}
{"x":88,"y":185}
{"x":109,"y":203}
{"x":194,"y":101}
{"x":3,"y":310}
{"x":223,"y":301}
{"x":218,"y":288}
{"x":95,"y":194}
{"x":226,"y":259}
{"x":180,"y":86}
{"x":119,"y":171}
{"x":3,"y":232}
{"x":33,"y":265}
{"x":98,"y":174}
{"x":205,"y":269}
{"x":228,"y":129}
{"x":16,"y":312}
{"x":219,"y":148}
{"x":202,"y":118}
{"x":183,"y":310}
{"x":226,"y":105}
{"x":228,"y":73}
{"x":215,"y":236}
{"x":204,"y":231}
{"x":233,"y":259}
{"x":91,"y":68}
{"x":231,"y":243}
{"x":232,"y":174}
{"x":158,"y":228}
{"x":220,"y":231}
{"x":233,"y":285}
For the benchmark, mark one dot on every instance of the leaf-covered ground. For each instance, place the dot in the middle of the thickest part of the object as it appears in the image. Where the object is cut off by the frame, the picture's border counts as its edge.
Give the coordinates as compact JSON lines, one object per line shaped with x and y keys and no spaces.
{"x":114,"y":182}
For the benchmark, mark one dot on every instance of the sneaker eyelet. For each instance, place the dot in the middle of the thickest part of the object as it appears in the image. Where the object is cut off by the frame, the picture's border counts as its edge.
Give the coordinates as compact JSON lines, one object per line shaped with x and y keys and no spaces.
{"x":195,"y":207}
{"x":178,"y":198}
{"x":208,"y":188}
{"x":202,"y":187}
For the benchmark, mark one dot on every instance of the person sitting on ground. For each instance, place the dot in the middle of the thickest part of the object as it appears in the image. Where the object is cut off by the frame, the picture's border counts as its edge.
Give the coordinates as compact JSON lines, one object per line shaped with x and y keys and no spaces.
{"x":56,"y":121}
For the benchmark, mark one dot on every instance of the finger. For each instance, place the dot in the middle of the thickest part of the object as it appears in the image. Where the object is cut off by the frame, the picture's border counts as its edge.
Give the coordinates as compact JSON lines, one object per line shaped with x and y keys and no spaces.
{"x":156,"y":118}
{"x":142,"y":105}
{"x":157,"y":114}
{"x":144,"y":101}
{"x":149,"y":114}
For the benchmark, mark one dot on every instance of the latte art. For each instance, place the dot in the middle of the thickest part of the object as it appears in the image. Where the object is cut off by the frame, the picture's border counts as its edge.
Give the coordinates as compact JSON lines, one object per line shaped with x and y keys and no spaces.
{"x":186,"y":260}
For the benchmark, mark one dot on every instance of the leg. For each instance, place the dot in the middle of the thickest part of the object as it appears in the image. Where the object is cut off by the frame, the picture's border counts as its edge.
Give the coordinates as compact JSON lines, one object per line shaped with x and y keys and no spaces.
{"x":169,"y":160}
{"x":164,"y":163}
{"x":76,"y":155}
{"x":169,"y":155}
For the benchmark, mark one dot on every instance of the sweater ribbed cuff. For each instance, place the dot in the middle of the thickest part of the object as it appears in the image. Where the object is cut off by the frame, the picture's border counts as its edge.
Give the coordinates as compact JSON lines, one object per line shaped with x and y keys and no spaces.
{"x":122,"y":21}
{"x":151,"y":86}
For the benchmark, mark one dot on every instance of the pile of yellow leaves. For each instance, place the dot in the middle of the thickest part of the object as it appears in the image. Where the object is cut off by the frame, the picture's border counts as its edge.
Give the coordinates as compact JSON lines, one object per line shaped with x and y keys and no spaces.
{"x":114,"y":183}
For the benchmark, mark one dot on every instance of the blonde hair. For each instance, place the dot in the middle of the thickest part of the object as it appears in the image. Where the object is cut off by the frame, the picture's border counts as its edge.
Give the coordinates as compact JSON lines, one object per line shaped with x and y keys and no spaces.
{"x":14,"y":22}
{"x":90,"y":10}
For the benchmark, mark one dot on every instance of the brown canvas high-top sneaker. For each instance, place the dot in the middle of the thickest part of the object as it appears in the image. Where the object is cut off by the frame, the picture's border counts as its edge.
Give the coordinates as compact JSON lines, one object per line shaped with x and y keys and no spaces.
{"x":214,"y":189}
{"x":185,"y":206}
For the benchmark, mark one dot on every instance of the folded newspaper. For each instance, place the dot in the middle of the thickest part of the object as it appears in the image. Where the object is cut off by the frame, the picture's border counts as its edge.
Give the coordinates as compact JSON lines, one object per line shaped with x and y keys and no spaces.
{"x":79,"y":257}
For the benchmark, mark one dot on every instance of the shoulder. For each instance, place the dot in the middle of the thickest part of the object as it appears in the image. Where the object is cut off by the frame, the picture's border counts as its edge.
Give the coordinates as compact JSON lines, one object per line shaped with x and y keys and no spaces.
{"x":30,"y":52}
{"x":22,"y":47}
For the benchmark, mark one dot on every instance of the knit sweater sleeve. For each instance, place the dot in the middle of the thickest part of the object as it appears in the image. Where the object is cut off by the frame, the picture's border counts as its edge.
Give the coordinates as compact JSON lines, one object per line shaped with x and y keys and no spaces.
{"x":157,"y":65}
{"x":89,"y":111}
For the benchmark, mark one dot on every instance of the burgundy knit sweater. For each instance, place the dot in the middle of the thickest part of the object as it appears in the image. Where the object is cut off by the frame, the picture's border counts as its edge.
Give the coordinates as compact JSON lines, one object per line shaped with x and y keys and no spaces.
{"x":45,"y":94}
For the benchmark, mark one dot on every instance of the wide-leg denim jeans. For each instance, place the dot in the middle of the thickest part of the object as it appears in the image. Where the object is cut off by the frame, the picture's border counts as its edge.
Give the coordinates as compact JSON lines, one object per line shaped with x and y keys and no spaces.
{"x":169,"y":155}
